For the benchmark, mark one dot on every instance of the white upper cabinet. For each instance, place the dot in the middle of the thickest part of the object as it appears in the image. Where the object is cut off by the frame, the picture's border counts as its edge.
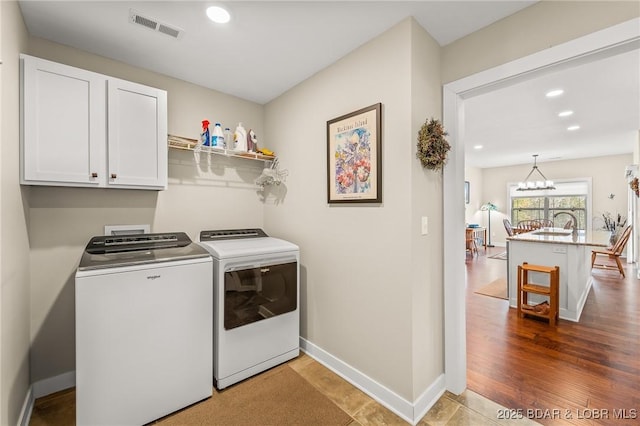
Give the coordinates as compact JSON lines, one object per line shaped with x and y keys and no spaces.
{"x":81,"y":128}
{"x":63,"y":129}
{"x":137,"y":135}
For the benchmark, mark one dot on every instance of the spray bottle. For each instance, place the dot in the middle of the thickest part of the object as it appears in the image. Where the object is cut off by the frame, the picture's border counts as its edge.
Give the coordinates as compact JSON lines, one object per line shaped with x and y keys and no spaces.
{"x":204,"y":136}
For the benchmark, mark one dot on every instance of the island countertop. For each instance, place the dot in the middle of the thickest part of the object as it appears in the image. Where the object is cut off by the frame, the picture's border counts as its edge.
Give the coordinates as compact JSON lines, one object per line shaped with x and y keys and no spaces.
{"x":564,"y":236}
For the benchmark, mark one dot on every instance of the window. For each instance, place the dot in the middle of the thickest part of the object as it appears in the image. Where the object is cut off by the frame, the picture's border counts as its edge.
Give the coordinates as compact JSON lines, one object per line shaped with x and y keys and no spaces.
{"x":571,"y":197}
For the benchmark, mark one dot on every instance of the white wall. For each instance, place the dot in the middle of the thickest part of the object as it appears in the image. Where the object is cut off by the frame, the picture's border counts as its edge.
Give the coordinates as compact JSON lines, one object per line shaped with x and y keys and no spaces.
{"x":215,"y":193}
{"x":472,"y":213}
{"x":607,"y":175}
{"x":14,"y":247}
{"x":358,"y":270}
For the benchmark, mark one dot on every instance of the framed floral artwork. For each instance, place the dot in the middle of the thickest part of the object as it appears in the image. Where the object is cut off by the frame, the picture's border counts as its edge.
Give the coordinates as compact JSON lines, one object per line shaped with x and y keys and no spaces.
{"x":354,"y":157}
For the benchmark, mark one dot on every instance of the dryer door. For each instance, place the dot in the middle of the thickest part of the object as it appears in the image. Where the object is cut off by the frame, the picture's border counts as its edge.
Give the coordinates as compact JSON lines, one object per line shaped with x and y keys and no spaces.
{"x":255,"y":294}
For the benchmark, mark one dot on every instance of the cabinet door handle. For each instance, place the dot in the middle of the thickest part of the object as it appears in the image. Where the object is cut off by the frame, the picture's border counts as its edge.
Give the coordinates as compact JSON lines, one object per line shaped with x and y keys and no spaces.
{"x":113,"y":175}
{"x":94,"y":175}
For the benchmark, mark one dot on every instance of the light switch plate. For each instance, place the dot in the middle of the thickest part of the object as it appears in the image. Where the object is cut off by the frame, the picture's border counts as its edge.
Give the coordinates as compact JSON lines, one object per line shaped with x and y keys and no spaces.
{"x":425,"y":225}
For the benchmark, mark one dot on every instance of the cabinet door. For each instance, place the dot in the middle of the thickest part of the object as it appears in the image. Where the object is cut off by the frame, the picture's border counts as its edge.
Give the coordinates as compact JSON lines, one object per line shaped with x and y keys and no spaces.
{"x":63,"y":130}
{"x":137,"y":135}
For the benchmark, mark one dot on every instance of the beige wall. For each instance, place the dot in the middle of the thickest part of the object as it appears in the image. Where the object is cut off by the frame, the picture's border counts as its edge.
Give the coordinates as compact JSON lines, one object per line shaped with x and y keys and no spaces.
{"x":426,"y":200}
{"x":538,"y":27}
{"x":607,"y":175}
{"x":211,"y":194}
{"x":357,"y":264}
{"x":14,"y":247}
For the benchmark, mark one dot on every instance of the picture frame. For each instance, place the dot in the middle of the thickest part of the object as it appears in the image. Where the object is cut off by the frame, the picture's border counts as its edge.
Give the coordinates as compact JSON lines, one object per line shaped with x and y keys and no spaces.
{"x":466,"y":191}
{"x":354,"y":157}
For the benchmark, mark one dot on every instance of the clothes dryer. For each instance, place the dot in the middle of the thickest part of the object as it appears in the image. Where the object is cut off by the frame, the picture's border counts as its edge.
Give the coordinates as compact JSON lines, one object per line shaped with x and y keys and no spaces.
{"x":256,"y":293}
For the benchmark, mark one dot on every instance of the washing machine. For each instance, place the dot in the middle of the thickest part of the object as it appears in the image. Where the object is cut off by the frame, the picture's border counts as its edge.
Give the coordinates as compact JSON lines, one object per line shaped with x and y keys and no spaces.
{"x":143,"y":328}
{"x":256,"y":321}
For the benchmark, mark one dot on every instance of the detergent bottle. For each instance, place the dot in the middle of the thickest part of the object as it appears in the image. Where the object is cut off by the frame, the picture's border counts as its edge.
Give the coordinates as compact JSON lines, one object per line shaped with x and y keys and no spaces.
{"x":204,"y":136}
{"x":240,"y":137}
{"x":217,"y":140}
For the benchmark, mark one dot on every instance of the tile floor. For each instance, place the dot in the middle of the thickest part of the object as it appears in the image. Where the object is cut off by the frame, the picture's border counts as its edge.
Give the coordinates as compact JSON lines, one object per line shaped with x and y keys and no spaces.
{"x":468,"y":408}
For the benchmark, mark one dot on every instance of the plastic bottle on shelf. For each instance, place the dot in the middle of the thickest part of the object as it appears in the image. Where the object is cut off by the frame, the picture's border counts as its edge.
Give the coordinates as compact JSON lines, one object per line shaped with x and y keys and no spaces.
{"x":240,"y":138}
{"x":204,"y":136}
{"x":228,"y":139}
{"x":252,"y":141}
{"x":217,"y":139}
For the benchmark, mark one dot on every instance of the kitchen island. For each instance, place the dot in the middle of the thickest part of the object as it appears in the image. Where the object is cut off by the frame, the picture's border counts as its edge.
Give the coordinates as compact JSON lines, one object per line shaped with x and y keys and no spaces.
{"x":556,"y":247}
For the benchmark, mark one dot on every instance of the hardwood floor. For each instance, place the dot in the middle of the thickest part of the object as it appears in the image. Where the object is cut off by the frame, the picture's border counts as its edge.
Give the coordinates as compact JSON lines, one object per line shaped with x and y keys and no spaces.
{"x":585,"y":373}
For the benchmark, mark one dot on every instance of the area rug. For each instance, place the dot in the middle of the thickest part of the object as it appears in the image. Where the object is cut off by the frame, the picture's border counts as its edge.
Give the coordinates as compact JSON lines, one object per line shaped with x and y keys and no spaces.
{"x":502,"y":256}
{"x":496,"y":288}
{"x":279,"y":396}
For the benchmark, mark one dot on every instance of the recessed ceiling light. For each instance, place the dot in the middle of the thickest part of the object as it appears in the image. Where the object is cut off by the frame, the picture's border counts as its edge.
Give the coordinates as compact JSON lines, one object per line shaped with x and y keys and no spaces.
{"x":554,"y":93}
{"x":571,"y":128}
{"x":477,"y":147}
{"x":565,"y":114}
{"x":218,"y":15}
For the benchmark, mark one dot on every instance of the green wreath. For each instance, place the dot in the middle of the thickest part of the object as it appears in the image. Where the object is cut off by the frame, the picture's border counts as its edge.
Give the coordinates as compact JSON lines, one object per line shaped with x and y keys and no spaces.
{"x":432,"y":145}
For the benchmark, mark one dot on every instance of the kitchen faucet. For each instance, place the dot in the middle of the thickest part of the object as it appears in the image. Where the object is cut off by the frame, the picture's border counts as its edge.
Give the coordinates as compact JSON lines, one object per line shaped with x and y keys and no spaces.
{"x":574,"y":224}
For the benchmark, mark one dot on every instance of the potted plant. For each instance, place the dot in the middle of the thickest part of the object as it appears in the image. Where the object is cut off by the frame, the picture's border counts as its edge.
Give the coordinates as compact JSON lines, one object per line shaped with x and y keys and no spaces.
{"x":613,"y":224}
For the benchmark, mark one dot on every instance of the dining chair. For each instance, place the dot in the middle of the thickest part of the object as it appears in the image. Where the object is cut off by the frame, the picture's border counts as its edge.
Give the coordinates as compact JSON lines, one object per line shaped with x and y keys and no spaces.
{"x":545,"y":223}
{"x":529,"y":225}
{"x":508,"y":227}
{"x":613,"y":252}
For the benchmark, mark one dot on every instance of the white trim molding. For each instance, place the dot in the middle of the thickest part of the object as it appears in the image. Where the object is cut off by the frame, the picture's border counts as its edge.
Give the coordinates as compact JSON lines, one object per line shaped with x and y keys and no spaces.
{"x":54,"y":384}
{"x":43,"y":388}
{"x":27,"y":408}
{"x":411,"y":412}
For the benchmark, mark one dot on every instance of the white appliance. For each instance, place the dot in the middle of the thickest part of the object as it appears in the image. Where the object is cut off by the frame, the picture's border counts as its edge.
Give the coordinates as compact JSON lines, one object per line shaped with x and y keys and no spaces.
{"x":256,"y":292}
{"x":143,"y":328}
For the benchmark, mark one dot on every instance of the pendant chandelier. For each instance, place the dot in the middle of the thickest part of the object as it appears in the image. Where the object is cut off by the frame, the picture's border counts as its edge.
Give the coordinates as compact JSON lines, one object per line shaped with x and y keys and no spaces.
{"x":534,"y":185}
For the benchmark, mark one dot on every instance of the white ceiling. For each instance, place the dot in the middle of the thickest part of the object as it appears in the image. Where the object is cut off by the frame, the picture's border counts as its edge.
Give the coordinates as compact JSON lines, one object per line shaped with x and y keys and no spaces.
{"x":515,"y":122}
{"x":270,"y":47}
{"x":267,"y":48}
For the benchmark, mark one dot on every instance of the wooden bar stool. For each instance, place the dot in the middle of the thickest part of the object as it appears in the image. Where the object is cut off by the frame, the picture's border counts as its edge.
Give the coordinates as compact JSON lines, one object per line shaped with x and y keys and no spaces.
{"x":547,"y":309}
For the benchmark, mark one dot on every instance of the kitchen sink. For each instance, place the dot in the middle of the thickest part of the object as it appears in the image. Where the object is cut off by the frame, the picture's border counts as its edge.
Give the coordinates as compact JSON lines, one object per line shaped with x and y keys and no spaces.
{"x":558,"y":233}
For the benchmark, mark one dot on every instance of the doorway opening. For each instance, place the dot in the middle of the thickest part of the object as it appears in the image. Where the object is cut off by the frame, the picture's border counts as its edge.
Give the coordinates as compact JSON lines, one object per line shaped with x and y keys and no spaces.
{"x":619,"y":38}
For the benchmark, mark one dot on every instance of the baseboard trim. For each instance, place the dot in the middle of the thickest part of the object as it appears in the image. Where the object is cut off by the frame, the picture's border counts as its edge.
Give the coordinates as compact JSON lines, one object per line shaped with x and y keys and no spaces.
{"x":583,"y":298}
{"x":408,"y":411}
{"x":27,"y":408}
{"x":43,"y":388}
{"x":428,"y":398}
{"x":54,"y":384}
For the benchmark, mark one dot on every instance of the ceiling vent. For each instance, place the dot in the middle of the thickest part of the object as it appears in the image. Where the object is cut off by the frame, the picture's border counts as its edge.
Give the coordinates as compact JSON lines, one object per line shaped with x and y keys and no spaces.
{"x":153,"y":24}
